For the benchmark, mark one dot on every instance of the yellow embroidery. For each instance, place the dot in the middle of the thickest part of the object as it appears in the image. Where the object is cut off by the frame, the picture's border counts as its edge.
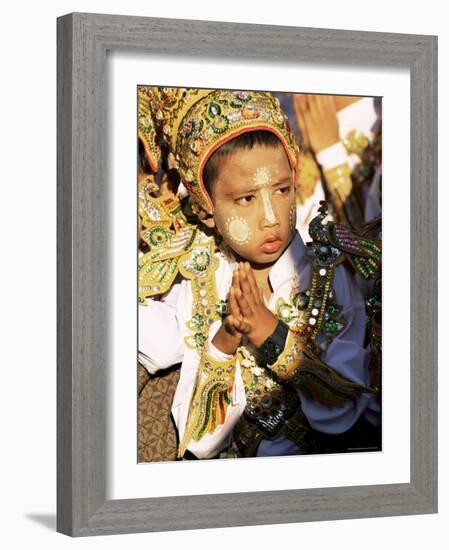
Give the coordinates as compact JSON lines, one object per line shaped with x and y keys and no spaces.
{"x":308,"y":176}
{"x":339,"y":182}
{"x":210,"y":398}
{"x":199,"y":266}
{"x":290,"y":359}
{"x":355,"y":142}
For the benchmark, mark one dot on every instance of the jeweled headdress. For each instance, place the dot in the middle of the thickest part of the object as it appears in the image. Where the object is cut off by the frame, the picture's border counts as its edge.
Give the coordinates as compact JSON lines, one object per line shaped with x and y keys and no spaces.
{"x":195,"y":122}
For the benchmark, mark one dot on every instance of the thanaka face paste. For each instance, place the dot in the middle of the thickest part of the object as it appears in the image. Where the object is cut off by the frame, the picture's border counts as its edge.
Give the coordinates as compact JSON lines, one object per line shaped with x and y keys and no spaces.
{"x":262,"y":179}
{"x":238,"y":230}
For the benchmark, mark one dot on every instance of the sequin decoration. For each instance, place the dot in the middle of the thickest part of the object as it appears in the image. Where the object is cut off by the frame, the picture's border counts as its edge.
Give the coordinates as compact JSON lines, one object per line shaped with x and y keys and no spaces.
{"x":199,"y":267}
{"x":158,"y":268}
{"x":211,"y":396}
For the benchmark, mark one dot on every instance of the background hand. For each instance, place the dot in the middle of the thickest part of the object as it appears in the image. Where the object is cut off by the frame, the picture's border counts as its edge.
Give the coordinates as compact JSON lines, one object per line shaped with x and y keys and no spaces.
{"x":317,"y":119}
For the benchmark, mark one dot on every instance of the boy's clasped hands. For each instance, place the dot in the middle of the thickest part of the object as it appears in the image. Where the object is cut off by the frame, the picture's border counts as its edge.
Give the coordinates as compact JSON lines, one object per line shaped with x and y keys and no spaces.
{"x":248,"y":315}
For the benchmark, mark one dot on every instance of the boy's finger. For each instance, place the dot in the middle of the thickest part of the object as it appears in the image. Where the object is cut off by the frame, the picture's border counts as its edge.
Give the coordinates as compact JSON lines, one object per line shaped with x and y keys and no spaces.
{"x":230,"y":324}
{"x":233,"y":306}
{"x":243,"y":326}
{"x":242,"y":302}
{"x":253,"y":283}
{"x":246,"y":288}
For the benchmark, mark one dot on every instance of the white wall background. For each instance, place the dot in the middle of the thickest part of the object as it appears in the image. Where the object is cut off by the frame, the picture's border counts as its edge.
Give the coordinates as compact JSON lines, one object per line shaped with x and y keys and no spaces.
{"x":28,"y":236}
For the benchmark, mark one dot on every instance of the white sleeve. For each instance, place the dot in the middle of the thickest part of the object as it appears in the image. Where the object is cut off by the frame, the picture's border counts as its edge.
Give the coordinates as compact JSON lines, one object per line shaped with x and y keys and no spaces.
{"x":161,"y":342}
{"x":333,"y":156}
{"x":211,"y":444}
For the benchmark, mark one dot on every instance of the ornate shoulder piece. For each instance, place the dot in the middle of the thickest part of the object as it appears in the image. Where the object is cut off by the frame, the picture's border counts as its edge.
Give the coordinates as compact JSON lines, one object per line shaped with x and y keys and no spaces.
{"x":363,"y":253}
{"x":169,"y":238}
{"x":165,"y":210}
{"x":159,"y":267}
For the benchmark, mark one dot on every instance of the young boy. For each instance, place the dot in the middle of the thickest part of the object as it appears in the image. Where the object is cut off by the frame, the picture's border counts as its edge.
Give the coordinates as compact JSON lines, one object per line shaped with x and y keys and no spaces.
{"x":270,"y":333}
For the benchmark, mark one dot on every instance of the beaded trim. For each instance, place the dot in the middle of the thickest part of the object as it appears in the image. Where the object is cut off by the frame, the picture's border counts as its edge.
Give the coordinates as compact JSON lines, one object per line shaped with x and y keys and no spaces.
{"x":363,"y":253}
{"x":199,"y":266}
{"x":158,"y":268}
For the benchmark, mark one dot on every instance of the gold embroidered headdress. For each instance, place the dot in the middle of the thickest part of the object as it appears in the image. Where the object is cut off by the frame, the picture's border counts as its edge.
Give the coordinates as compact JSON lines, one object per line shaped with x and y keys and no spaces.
{"x":195,"y":122}
{"x":147,"y":129}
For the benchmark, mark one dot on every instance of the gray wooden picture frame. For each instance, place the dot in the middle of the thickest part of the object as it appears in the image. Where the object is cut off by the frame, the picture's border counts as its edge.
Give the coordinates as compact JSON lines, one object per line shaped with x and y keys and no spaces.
{"x":83,"y":40}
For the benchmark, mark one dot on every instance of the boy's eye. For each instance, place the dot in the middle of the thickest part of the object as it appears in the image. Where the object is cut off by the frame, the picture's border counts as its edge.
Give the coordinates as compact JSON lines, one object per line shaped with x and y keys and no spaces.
{"x":245,"y":200}
{"x":283,"y":190}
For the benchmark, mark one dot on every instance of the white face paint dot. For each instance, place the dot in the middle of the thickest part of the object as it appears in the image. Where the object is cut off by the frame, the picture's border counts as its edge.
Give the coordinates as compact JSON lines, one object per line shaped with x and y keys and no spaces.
{"x":238,"y":230}
{"x":262,"y":176}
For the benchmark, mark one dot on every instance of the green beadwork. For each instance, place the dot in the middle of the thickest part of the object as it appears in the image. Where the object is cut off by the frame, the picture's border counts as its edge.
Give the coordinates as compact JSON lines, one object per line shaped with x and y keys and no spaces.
{"x":200,"y":339}
{"x":213,"y":109}
{"x":222,"y":308}
{"x":220,"y":124}
{"x":201,"y":261}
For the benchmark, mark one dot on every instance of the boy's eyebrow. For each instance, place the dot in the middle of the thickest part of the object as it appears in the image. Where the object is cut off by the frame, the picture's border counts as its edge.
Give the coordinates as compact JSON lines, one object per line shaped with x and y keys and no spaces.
{"x":257,"y":188}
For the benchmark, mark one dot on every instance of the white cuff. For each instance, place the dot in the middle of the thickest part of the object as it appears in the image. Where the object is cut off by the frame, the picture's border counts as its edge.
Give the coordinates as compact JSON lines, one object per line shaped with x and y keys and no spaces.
{"x":213,"y":351}
{"x":333,"y":156}
{"x":217,"y":354}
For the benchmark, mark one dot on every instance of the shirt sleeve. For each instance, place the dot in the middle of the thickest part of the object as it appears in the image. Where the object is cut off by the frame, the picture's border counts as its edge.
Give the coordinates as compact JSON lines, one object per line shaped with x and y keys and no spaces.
{"x":348,"y":356}
{"x":333,"y":156}
{"x":161,"y":342}
{"x":211,"y":444}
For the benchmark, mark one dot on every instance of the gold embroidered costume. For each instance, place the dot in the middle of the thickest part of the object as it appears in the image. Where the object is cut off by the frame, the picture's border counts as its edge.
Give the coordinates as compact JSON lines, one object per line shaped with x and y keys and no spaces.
{"x":192,"y":124}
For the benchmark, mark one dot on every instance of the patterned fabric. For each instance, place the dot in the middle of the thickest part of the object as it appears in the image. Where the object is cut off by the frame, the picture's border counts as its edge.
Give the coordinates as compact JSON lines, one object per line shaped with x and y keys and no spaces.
{"x":157,"y":440}
{"x":147,"y":130}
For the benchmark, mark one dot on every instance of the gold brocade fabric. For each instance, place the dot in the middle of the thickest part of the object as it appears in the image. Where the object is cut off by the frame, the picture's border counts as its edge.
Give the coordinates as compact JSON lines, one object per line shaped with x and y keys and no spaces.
{"x":194,"y":123}
{"x":157,"y":439}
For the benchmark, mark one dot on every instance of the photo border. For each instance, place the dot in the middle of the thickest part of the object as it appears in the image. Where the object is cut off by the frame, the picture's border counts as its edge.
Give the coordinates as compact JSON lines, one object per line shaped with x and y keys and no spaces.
{"x":83,"y":42}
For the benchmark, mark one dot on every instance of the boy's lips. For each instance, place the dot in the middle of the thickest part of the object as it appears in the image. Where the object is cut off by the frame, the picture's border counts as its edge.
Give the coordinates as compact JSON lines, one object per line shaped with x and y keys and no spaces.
{"x":271,"y":244}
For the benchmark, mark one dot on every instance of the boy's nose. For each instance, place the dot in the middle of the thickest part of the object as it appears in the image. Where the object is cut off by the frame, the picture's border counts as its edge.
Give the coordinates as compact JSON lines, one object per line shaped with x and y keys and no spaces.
{"x":269,"y":217}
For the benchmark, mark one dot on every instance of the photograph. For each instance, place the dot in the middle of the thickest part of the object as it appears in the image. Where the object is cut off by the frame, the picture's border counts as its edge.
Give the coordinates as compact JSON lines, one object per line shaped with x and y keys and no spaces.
{"x":259,"y":231}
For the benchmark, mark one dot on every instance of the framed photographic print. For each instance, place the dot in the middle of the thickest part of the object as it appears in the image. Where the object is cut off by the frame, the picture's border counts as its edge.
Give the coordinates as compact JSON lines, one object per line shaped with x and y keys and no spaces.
{"x":252,"y":187}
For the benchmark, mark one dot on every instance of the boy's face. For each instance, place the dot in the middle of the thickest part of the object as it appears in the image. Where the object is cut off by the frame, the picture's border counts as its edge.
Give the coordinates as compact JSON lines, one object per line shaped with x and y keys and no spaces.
{"x":254,"y":200}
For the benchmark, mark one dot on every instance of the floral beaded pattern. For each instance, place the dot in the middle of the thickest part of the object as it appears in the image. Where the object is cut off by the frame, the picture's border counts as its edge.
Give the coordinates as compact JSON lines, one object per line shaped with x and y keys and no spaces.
{"x":199,"y":265}
{"x":157,"y":269}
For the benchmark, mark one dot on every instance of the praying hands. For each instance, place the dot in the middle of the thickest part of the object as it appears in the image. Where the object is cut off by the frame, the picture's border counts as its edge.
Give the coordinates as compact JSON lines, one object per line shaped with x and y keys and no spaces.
{"x":248,"y":314}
